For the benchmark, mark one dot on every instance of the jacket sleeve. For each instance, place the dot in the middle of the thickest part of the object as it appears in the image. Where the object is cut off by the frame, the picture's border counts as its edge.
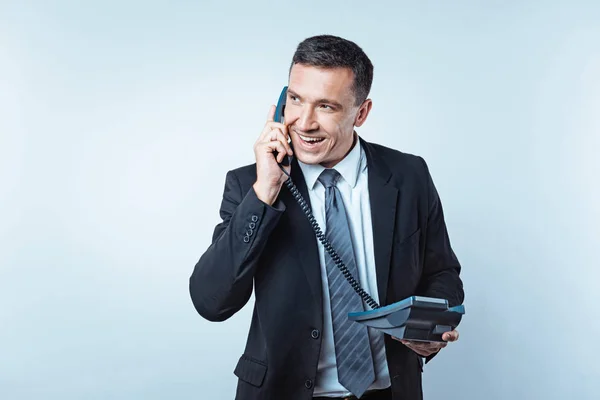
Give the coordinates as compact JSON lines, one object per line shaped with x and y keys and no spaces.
{"x":441,"y":268}
{"x":221,"y":282}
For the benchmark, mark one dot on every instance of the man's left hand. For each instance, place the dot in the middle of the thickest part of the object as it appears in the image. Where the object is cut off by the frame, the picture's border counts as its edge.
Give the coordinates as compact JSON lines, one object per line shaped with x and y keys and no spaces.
{"x":425,"y":349}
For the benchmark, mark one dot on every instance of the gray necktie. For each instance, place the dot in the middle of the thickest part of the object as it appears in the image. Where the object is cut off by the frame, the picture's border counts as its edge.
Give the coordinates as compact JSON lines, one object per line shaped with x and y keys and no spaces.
{"x":352,"y":347}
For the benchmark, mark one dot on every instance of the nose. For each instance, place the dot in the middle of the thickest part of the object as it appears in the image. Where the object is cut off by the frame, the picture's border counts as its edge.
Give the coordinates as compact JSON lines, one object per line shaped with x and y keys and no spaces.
{"x":306,"y":120}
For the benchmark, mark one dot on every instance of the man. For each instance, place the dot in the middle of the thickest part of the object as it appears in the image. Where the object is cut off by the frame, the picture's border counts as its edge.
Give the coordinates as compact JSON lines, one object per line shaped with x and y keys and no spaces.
{"x":380,"y":211}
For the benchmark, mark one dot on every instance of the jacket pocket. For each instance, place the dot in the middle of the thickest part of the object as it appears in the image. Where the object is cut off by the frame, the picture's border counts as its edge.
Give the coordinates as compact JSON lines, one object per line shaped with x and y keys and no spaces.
{"x":407,"y":250}
{"x":410,"y":239}
{"x":251,"y":370}
{"x":405,"y":269}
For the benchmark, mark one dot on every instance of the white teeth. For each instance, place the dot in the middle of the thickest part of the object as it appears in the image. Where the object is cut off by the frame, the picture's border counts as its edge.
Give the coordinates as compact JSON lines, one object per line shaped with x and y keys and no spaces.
{"x":310,"y":139}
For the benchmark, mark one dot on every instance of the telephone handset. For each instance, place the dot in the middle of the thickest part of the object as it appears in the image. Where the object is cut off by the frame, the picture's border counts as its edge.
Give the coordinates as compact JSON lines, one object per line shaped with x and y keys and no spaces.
{"x":280,"y":117}
{"x":416,"y":318}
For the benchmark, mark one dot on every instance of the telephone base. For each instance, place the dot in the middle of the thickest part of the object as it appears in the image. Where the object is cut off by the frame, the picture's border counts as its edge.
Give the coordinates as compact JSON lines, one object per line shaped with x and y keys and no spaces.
{"x":417,"y":318}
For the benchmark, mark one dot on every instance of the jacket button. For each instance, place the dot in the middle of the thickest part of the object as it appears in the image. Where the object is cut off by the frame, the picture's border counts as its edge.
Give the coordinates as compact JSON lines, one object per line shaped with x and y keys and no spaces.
{"x":315,"y":334}
{"x":254,"y":218}
{"x":246,"y":239}
{"x":308,"y":384}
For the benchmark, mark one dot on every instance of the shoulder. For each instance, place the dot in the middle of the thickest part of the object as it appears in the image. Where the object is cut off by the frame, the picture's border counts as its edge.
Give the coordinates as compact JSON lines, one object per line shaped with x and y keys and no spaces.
{"x":395,"y":156}
{"x":401,"y":164}
{"x":407,"y":172}
{"x":244,"y":176}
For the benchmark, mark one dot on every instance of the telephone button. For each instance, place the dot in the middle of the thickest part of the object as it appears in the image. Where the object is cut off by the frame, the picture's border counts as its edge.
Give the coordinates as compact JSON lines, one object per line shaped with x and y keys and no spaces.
{"x":315,"y":334}
{"x":308,"y":384}
{"x":254,"y":218}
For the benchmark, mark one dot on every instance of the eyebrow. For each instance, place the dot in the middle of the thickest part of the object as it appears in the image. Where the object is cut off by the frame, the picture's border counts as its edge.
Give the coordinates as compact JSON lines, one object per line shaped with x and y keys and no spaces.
{"x":320,"y":101}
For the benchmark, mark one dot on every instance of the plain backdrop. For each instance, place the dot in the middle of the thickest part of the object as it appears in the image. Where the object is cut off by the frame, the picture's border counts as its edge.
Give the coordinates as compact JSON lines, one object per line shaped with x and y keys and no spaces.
{"x":119,"y":120}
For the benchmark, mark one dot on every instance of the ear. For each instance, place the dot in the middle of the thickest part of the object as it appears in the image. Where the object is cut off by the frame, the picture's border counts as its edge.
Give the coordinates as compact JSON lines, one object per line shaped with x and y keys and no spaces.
{"x":363,"y":112}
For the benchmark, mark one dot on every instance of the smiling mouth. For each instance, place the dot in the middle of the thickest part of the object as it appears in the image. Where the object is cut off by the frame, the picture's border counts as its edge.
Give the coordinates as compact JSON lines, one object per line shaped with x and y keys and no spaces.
{"x":310,"y":140}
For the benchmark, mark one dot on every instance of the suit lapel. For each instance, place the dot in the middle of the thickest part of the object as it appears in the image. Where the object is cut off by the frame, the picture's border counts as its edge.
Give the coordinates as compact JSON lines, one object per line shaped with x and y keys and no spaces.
{"x":383,"y":199}
{"x":306,"y":250}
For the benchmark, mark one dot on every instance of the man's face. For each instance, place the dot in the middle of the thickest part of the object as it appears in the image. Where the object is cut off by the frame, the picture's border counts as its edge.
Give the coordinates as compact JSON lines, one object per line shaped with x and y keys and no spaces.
{"x":321,"y":113}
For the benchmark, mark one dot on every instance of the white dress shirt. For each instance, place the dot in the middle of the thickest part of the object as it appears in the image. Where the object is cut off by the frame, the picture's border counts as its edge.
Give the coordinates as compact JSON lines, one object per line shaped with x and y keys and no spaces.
{"x":353,"y":186}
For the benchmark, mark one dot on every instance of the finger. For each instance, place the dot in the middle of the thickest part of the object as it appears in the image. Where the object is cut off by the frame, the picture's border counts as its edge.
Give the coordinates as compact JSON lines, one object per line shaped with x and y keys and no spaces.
{"x":417,"y":349}
{"x":436,"y":345}
{"x":422,"y":347}
{"x":430,"y":349}
{"x":280,"y":136}
{"x":271,"y":114}
{"x":276,"y":145}
{"x":415,"y":343}
{"x":268,"y":135}
{"x":427,"y":346}
{"x":269,"y":126}
{"x":451,"y":336}
{"x":424,"y":353}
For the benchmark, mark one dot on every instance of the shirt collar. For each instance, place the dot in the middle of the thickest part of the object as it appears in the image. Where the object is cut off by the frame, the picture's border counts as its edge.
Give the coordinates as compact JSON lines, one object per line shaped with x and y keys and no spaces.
{"x":349,"y":167}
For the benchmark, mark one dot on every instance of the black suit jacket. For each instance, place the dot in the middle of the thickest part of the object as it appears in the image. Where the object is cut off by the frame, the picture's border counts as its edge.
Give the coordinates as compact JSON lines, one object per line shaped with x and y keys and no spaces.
{"x":275,"y":249}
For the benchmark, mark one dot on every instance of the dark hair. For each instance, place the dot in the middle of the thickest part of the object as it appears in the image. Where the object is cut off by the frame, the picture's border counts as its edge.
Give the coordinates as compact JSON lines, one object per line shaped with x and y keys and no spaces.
{"x":329,"y":51}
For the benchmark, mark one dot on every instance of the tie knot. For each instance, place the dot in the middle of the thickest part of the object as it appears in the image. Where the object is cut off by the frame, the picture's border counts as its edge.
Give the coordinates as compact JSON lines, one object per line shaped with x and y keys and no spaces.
{"x":329,"y":177}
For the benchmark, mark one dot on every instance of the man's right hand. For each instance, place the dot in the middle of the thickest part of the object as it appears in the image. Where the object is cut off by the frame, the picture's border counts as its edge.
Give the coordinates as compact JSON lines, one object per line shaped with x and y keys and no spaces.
{"x":269,"y":176}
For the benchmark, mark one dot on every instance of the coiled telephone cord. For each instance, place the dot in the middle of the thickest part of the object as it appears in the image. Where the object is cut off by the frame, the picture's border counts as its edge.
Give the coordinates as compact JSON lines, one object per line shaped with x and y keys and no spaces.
{"x":338,"y":262}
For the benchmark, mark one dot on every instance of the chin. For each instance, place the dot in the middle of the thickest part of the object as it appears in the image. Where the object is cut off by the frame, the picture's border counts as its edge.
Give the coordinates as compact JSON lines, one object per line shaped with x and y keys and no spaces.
{"x":308,"y":158}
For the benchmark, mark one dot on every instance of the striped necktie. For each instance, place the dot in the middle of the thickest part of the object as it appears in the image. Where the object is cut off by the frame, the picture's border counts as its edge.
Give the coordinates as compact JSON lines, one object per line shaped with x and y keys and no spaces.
{"x":352,"y":347}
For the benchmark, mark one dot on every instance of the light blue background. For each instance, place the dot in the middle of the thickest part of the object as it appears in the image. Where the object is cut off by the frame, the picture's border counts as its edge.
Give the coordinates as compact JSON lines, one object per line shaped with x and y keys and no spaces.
{"x":119,"y":120}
